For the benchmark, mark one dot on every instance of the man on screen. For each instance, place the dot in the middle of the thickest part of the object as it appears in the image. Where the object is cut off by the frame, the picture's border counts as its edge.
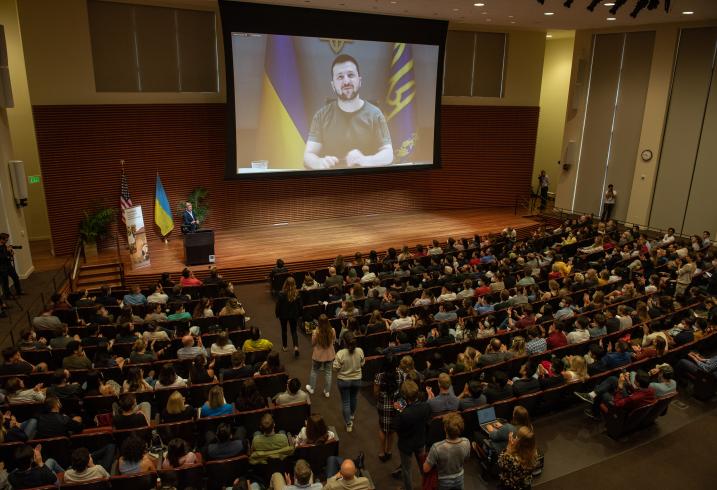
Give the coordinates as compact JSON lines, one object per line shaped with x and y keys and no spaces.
{"x":348,"y":131}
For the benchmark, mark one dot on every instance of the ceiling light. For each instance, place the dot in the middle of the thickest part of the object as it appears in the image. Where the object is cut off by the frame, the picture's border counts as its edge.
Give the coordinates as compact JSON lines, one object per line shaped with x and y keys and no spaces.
{"x":548,"y":36}
{"x":549,"y":13}
{"x":687,"y":12}
{"x":512,"y":22}
{"x":611,"y":18}
{"x":478,"y":4}
{"x":511,"y":16}
{"x":609,"y":4}
{"x":456,"y":10}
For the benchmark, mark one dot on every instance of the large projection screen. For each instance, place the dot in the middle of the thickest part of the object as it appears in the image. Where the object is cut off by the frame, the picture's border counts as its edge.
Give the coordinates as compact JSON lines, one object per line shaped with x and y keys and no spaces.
{"x":314,"y":92}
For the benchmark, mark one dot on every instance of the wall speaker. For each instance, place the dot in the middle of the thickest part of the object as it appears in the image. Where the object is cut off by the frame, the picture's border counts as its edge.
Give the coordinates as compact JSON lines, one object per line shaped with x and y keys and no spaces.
{"x":19,"y":182}
{"x":6,"y":99}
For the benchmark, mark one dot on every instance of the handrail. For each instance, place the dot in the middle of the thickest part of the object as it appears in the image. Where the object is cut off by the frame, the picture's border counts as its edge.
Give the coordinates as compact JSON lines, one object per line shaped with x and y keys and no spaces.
{"x":78,"y":253}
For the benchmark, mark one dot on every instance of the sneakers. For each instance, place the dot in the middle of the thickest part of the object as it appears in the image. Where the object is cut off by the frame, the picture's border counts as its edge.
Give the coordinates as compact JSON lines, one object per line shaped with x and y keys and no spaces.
{"x":590,"y":414}
{"x":350,"y":427}
{"x":309,"y":389}
{"x":352,"y":418}
{"x":327,"y":394}
{"x":584,"y":396}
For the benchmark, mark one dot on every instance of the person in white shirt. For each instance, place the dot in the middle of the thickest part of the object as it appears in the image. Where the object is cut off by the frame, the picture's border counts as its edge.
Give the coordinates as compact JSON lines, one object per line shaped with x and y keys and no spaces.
{"x":581,"y":333}
{"x":669,"y":237}
{"x":608,"y":202}
{"x":367,"y":276}
{"x":158,"y":296}
{"x":403,"y":320}
{"x":222,"y":346}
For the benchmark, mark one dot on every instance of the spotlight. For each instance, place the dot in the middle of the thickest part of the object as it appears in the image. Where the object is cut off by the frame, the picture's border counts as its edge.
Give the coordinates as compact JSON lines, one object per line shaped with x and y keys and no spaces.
{"x":616,"y":7}
{"x":592,"y":5}
{"x":568,"y":3}
{"x":641,"y":4}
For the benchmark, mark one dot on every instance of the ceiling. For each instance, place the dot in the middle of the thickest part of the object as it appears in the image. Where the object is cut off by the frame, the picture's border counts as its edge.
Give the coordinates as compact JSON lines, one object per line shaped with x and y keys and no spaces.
{"x":524,"y":14}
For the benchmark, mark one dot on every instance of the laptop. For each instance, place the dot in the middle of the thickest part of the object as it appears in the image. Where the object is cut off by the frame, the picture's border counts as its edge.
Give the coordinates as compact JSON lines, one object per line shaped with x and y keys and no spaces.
{"x":486,"y":416}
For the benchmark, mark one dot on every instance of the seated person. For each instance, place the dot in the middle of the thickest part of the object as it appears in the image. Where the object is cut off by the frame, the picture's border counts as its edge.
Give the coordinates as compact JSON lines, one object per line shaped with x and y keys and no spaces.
{"x":472,"y":395}
{"x":445,"y":401}
{"x":179,"y":455}
{"x":168,"y":378}
{"x":301,"y":480}
{"x":268,"y":444}
{"x":499,"y":434}
{"x":495,"y":352}
{"x":255,"y":342}
{"x":15,"y":392}
{"x":238,"y":370}
{"x":446,"y":312}
{"x":398,"y":344}
{"x":158,"y":296}
{"x":293,"y":394}
{"x":216,"y":405}
{"x":141,"y":353}
{"x":621,"y":356}
{"x":61,"y":388}
{"x":155,"y":313}
{"x":177,"y":410}
{"x":249,"y":397}
{"x":619,"y":392}
{"x":272,"y":365}
{"x":52,"y":423}
{"x":130,"y":415}
{"x":550,"y":374}
{"x":314,"y":432}
{"x":30,"y":471}
{"x":15,"y":364}
{"x":526,"y":383}
{"x":180,"y":313}
{"x":499,"y":389}
{"x":346,"y":477}
{"x":200,"y":373}
{"x":134,"y":457}
{"x":440,"y":336}
{"x":226,"y":443}
{"x":403,"y":320}
{"x":135,"y":296}
{"x":189,"y":350}
{"x":83,"y":467}
{"x":134,"y":381}
{"x":223,"y":345}
{"x":695,"y":363}
{"x":76,"y":359}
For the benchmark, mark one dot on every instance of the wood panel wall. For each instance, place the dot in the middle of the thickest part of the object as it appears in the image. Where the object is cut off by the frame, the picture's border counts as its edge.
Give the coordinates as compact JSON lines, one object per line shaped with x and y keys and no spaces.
{"x":487,"y":154}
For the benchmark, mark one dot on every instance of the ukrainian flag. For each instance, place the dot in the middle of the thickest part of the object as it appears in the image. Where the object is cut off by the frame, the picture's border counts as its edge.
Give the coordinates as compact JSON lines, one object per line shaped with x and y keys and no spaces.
{"x":283,"y":126}
{"x":162,"y":211}
{"x":401,"y":110}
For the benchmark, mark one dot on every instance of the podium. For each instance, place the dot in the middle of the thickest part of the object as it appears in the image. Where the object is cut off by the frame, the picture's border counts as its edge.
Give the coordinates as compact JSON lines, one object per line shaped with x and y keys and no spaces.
{"x":199,"y":247}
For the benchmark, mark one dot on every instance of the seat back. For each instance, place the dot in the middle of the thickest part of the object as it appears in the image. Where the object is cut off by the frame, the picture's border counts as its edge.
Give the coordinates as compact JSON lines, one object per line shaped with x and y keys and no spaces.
{"x":57,"y":448}
{"x":271,"y":384}
{"x":24,"y":411}
{"x":317,"y":454}
{"x":182,"y":430}
{"x":144,"y":433}
{"x":162,"y":395}
{"x":91,"y":440}
{"x":223,"y":472}
{"x":291,"y":418}
{"x":102,"y":484}
{"x":143,"y":481}
{"x":191,"y":476}
{"x":198,"y":394}
{"x":250,"y":419}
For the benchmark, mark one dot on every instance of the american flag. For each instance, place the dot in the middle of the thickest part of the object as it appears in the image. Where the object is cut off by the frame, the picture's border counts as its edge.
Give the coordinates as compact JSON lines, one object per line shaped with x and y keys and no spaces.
{"x":125,"y":200}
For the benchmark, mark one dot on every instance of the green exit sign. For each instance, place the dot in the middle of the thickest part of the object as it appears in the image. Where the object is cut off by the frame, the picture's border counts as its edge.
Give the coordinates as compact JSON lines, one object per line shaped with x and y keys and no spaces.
{"x":33,"y":179}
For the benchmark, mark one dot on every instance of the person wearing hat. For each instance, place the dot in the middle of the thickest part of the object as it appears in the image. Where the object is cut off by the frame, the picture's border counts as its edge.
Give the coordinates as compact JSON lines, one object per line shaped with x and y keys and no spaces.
{"x":665,"y":383}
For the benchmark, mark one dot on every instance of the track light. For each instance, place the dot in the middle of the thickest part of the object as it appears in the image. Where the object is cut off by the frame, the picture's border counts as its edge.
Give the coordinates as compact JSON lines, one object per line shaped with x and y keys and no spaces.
{"x":616,"y":7}
{"x":592,"y":5}
{"x":568,"y":3}
{"x":641,"y":4}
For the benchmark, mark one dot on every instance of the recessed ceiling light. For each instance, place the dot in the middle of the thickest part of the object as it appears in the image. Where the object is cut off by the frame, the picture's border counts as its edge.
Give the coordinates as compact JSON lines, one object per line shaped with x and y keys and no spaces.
{"x":488,"y":20}
{"x":456,"y":10}
{"x":511,"y":16}
{"x":394,"y":2}
{"x":478,"y":4}
{"x":609,"y":4}
{"x":512,"y":22}
{"x":688,"y":12}
{"x":548,"y":36}
{"x":611,"y":18}
{"x":484,"y":13}
{"x":549,"y":13}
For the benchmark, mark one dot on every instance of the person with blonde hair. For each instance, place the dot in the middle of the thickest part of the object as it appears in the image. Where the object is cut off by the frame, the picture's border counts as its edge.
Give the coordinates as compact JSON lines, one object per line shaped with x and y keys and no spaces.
{"x":232,"y":307}
{"x":177,"y":409}
{"x":517,"y":347}
{"x":577,"y":369}
{"x":288,"y":311}
{"x":517,"y":462}
{"x":322,"y":355}
{"x":216,"y":404}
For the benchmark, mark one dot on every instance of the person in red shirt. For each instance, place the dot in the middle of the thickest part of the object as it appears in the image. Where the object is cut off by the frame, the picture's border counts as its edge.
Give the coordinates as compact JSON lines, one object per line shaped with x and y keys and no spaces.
{"x":188,"y":279}
{"x":556,"y":336}
{"x":619,"y":392}
{"x":482,"y":289}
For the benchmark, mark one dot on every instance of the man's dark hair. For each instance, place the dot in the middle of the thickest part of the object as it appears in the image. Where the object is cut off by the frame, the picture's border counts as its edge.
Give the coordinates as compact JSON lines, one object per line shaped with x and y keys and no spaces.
{"x":58,"y":376}
{"x":224,"y":432}
{"x":475,"y":387}
{"x":294,"y":385}
{"x":9,"y":352}
{"x":80,"y":459}
{"x":643,"y":380}
{"x":72,"y":346}
{"x":238,"y":358}
{"x":127,"y":402}
{"x":343,"y":58}
{"x":24,"y":455}
{"x":500,"y":378}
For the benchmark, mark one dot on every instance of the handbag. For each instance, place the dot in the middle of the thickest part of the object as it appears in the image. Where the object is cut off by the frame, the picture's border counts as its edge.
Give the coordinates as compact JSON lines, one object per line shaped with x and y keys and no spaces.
{"x":430,"y":479}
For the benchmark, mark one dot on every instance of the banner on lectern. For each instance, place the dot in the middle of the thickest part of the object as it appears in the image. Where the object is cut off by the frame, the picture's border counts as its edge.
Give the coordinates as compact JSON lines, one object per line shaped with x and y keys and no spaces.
{"x":136,"y":237}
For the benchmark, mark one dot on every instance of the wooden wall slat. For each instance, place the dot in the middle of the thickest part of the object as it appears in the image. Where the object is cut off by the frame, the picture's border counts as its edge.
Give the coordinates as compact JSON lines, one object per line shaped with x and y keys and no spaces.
{"x":487,"y":154}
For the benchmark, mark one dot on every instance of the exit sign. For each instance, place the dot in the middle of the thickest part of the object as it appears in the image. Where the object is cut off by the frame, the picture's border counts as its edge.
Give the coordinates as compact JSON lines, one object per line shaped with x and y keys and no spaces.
{"x":33,"y":179}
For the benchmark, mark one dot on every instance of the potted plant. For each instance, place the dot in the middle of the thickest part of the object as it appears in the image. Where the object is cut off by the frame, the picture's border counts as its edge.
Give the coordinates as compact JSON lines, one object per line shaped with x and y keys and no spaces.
{"x":94,"y":226}
{"x":199,"y":206}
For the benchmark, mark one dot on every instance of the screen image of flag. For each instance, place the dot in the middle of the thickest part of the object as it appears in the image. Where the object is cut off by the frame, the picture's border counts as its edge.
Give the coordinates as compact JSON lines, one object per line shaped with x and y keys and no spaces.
{"x":400,"y":105}
{"x":162,"y":210}
{"x":125,"y":200}
{"x":282,"y":115}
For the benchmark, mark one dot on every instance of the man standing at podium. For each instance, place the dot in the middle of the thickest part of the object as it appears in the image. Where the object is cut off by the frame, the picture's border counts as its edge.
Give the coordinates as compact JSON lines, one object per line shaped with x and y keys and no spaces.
{"x":191,"y":223}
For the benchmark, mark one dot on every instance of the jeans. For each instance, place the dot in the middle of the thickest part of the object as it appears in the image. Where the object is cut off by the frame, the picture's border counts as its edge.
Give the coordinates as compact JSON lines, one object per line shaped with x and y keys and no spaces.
{"x":606,"y":211}
{"x":317,"y":366}
{"x":294,"y":335}
{"x":29,"y":427}
{"x":105,"y":457}
{"x":687,"y":365}
{"x":349,"y":397}
{"x":406,"y":459}
{"x":451,"y":483}
{"x":54,"y":466}
{"x":543,"y":197}
{"x":604,"y":393}
{"x":5,"y":276}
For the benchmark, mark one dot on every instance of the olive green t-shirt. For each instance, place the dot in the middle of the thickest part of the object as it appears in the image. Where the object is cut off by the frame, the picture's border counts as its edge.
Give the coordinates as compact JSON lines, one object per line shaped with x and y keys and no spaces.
{"x":339,"y":132}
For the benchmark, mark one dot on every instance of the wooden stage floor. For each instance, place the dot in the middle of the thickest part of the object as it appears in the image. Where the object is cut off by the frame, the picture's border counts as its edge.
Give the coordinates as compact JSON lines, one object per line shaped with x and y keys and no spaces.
{"x":248,"y":254}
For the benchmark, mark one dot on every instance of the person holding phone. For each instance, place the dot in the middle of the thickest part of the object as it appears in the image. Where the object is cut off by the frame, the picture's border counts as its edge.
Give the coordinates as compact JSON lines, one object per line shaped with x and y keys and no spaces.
{"x":410,"y":424}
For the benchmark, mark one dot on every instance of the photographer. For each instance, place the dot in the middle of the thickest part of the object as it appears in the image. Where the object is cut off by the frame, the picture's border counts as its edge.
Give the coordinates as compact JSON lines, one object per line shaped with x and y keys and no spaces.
{"x":7,"y":267}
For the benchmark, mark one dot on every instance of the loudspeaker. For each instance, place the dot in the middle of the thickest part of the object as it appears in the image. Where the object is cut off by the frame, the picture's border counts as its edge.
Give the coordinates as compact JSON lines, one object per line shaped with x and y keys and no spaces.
{"x":571,"y":155}
{"x":19,"y":182}
{"x":6,"y":99}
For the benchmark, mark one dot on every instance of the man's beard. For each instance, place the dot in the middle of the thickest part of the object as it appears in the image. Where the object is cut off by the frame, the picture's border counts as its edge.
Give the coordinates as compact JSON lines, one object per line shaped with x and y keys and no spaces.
{"x":347,"y":95}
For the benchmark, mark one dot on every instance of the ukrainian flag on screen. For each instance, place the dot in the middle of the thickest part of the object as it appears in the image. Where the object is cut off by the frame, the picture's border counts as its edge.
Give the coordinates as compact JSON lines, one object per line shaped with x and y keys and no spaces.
{"x":400,"y":105}
{"x":162,"y":211}
{"x":283,"y":127}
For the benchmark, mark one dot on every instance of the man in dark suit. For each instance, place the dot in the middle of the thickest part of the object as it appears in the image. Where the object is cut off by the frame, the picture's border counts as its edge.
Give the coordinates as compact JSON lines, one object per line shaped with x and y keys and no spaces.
{"x":191,"y":223}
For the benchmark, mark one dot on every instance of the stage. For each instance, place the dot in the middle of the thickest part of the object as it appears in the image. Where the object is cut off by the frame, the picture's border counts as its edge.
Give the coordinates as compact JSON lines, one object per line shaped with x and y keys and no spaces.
{"x":248,"y":254}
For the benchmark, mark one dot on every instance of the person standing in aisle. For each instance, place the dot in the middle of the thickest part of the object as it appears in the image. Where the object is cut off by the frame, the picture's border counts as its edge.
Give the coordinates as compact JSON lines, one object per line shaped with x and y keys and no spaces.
{"x":543,"y":186}
{"x":288,"y":311}
{"x":348,"y":363}
{"x":608,"y":203}
{"x":323,"y":354}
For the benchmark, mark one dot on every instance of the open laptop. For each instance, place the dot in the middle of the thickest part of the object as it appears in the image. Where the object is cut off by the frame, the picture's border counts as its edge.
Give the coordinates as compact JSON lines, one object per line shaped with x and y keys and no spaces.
{"x":486,"y":417}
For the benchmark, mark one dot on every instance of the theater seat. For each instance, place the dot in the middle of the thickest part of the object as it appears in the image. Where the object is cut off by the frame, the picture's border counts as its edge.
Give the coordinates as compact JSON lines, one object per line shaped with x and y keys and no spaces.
{"x":139,"y":481}
{"x":222,"y":473}
{"x":102,"y":484}
{"x":316,"y":455}
{"x":188,"y":476}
